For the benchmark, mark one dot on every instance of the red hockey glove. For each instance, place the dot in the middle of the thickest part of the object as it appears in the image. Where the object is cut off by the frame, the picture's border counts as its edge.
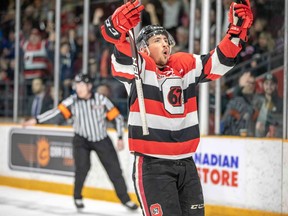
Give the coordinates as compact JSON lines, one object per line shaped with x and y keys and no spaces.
{"x":241,"y":19}
{"x":123,"y":19}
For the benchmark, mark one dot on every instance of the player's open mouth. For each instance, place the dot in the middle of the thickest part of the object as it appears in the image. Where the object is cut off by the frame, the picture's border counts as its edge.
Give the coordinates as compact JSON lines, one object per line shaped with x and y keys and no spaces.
{"x":166,"y":53}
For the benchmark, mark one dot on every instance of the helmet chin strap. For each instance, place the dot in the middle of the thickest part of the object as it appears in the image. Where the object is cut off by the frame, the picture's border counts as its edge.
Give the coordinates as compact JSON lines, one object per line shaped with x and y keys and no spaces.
{"x":146,"y":49}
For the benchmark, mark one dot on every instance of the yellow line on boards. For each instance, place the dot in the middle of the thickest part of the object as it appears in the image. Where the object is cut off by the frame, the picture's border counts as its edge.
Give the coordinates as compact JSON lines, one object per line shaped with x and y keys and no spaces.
{"x":229,"y":211}
{"x":66,"y":189}
{"x":109,"y":195}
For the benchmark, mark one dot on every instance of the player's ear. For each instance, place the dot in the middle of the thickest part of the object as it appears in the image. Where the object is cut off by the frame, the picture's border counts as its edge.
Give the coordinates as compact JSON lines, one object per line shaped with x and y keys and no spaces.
{"x":145,"y":50}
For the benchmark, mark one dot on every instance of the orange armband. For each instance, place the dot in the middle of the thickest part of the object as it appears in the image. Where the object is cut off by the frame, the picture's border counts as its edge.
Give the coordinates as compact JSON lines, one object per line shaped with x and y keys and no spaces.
{"x":65,"y":111}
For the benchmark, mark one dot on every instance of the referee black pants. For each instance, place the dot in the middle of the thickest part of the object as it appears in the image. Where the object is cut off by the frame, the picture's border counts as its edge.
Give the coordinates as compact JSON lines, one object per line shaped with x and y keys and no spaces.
{"x":168,"y":187}
{"x":109,"y":159}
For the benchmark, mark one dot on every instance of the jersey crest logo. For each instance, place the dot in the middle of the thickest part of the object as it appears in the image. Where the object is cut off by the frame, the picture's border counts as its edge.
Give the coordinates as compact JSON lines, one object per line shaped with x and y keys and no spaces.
{"x":175,"y":96}
{"x":156,"y":210}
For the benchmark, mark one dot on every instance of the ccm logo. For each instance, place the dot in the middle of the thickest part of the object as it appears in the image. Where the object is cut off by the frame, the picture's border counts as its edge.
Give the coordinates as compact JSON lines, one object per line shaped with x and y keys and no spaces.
{"x":197,"y":206}
{"x":111,"y":29}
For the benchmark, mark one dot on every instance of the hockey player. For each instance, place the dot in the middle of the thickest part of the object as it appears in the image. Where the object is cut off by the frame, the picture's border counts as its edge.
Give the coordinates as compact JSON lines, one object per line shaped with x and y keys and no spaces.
{"x":164,"y":174}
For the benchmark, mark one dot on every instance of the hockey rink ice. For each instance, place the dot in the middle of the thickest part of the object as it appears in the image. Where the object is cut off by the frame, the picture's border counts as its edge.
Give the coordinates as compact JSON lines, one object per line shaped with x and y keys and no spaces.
{"x":20,"y":202}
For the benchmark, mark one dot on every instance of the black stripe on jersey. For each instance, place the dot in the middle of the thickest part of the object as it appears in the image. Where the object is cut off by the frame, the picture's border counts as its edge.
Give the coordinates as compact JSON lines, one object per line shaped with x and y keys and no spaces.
{"x":153,"y":93}
{"x":190,"y":92}
{"x":121,"y":58}
{"x":204,"y":59}
{"x":133,"y":94}
{"x":225,"y":60}
{"x":203,"y":80}
{"x":150,"y":92}
{"x":159,"y":135}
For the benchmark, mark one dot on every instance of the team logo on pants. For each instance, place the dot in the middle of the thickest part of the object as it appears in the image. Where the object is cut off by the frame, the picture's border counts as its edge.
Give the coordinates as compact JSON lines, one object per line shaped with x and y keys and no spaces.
{"x":156,"y":210}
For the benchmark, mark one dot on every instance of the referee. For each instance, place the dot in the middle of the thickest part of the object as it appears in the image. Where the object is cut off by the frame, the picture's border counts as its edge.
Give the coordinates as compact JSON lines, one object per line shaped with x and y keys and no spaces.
{"x":89,"y":111}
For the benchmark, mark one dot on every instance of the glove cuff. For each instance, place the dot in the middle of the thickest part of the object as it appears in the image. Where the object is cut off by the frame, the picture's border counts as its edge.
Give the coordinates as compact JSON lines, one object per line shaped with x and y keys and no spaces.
{"x":236,"y":31}
{"x":110,"y":33}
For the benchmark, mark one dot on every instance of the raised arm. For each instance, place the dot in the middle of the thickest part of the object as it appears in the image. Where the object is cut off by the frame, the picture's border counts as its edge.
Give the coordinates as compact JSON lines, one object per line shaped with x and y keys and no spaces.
{"x":222,"y":59}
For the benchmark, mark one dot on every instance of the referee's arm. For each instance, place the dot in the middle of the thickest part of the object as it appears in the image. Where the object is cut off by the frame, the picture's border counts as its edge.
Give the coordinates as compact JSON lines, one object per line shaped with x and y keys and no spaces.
{"x":114,"y":114}
{"x":56,"y":115}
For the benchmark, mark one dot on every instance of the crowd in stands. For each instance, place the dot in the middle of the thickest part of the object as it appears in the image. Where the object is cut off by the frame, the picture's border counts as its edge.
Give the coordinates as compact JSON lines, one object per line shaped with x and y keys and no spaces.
{"x":37,"y":46}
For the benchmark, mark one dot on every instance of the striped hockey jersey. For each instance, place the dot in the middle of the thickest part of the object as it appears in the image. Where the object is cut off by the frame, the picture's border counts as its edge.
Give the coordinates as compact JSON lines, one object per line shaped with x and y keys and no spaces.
{"x":170,"y":97}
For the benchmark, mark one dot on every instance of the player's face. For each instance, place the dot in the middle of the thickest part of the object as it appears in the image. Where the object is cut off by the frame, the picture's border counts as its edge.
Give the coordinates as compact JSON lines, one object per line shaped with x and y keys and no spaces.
{"x":83,"y":90}
{"x":159,"y":49}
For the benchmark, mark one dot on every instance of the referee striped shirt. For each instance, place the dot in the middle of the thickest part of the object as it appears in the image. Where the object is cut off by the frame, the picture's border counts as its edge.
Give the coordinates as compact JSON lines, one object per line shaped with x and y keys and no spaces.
{"x":89,"y":116}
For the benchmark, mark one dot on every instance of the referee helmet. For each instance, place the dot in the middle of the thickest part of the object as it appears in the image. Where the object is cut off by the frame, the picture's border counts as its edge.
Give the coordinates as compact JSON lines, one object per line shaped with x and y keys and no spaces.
{"x":83,"y":78}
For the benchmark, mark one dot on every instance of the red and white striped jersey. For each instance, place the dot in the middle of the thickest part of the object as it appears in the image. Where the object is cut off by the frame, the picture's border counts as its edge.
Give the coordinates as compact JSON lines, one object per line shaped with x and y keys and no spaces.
{"x":36,"y":61}
{"x":170,"y":97}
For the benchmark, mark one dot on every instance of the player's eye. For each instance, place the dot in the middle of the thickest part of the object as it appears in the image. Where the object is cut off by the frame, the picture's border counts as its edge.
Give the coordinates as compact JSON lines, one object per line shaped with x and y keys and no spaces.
{"x":157,"y":40}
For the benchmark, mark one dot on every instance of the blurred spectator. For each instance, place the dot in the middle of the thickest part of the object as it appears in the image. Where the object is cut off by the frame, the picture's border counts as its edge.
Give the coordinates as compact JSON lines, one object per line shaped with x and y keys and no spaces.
{"x":41,"y":100}
{"x":269,"y":121}
{"x":93,"y":68}
{"x":67,"y":57}
{"x":197,"y":46}
{"x":101,"y":59}
{"x":248,"y":51}
{"x":104,"y":89}
{"x":153,"y":13}
{"x":224,"y":96}
{"x":105,"y":65}
{"x":26,"y":28}
{"x":173,"y":12}
{"x":212,"y":101}
{"x":262,"y":7}
{"x":212,"y":38}
{"x":3,"y":75}
{"x":259,"y":25}
{"x":68,"y":18}
{"x":197,"y":23}
{"x":226,"y":6}
{"x":242,"y":110}
{"x":36,"y":61}
{"x":279,"y":42}
{"x":182,"y":37}
{"x":264,"y":45}
{"x":53,"y":95}
{"x":8,"y":45}
{"x":7,"y":55}
{"x":7,"y":16}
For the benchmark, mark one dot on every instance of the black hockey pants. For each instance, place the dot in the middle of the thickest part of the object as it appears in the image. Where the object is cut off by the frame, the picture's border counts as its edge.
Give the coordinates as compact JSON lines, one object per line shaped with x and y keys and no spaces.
{"x":168,"y":187}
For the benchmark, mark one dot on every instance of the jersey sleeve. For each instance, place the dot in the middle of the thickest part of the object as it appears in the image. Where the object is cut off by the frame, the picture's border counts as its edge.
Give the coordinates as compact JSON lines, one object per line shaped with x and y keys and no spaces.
{"x":220,"y":60}
{"x":203,"y":68}
{"x":122,"y":63}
